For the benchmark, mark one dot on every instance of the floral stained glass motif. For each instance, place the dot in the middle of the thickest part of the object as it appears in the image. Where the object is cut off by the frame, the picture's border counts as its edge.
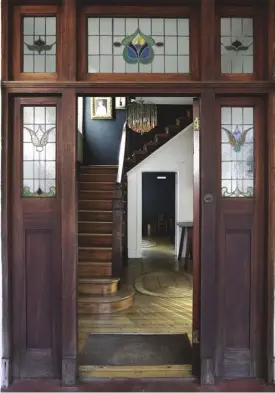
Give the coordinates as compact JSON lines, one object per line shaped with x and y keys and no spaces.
{"x":138,"y":48}
{"x":39,"y":37}
{"x":237,"y":45}
{"x":237,"y":164}
{"x":138,"y":45}
{"x":39,"y":151}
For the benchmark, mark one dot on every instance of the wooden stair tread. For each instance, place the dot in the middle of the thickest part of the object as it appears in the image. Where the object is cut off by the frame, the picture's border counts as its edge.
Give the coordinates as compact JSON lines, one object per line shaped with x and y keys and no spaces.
{"x":95,"y":211}
{"x":94,"y":248}
{"x":98,"y":280}
{"x":124,"y":293}
{"x":95,"y":222}
{"x":94,"y":262}
{"x":95,"y":234}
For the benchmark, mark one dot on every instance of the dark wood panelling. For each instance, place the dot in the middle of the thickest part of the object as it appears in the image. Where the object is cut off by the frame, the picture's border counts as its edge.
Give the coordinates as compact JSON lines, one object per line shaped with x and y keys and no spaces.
{"x":208,"y":235}
{"x":69,"y":236}
{"x":35,"y":271}
{"x":6,"y":243}
{"x":207,"y":43}
{"x":271,"y":39}
{"x":68,"y":40}
{"x":271,"y":236}
{"x":241,"y":267}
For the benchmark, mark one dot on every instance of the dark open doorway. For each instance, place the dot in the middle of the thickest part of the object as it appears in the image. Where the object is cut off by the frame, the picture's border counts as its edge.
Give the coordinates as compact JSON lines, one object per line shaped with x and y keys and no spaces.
{"x":158,"y":208}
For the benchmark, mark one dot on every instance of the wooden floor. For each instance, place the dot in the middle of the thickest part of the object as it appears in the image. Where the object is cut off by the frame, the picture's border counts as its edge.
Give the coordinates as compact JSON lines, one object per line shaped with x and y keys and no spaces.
{"x":149,"y":314}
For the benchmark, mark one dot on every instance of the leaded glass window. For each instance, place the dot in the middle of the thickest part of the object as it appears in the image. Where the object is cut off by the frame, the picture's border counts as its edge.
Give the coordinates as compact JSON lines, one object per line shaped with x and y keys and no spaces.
{"x":39,"y":39}
{"x":132,"y":45}
{"x":237,"y":151}
{"x":39,"y":151}
{"x":237,"y":45}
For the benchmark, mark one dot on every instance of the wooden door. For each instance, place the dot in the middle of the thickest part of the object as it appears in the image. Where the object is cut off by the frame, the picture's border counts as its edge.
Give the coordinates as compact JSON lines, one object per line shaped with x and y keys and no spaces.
{"x":36,"y":266}
{"x":241,"y":235}
{"x":196,"y":239}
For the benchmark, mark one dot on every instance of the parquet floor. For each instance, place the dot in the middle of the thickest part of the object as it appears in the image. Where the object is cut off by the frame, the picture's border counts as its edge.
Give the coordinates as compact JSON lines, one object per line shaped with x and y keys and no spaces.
{"x":149,"y":314}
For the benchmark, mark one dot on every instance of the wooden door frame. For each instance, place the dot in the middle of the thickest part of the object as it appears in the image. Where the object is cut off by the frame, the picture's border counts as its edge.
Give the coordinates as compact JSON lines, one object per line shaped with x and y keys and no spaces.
{"x":69,"y":215}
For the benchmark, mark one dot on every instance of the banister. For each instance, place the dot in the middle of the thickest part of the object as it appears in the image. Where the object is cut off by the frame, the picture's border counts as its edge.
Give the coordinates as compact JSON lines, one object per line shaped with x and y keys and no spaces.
{"x":121,"y":155}
{"x":118,"y":238}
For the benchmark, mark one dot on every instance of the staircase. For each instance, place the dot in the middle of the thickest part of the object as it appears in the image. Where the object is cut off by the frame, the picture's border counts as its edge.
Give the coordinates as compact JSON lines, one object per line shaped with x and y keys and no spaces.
{"x":99,"y":292}
{"x":158,"y":139}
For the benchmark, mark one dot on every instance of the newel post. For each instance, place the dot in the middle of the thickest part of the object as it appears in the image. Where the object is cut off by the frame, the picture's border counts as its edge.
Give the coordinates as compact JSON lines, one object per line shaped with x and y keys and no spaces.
{"x":117,"y":256}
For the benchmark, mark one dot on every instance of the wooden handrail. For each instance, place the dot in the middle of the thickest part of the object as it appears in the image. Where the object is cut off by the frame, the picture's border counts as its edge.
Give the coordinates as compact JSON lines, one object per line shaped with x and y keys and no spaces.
{"x":121,"y":154}
{"x":119,"y":228}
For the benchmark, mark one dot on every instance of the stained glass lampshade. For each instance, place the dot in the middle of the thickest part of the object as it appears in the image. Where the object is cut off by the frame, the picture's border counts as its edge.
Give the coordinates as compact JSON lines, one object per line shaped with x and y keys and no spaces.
{"x":141,"y":117}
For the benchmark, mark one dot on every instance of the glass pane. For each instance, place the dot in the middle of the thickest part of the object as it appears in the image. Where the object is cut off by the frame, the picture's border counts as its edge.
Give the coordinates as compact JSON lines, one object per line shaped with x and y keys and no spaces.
{"x":133,"y":45}
{"x":237,"y":151}
{"x":39,"y":36}
{"x":237,"y":45}
{"x":39,"y":151}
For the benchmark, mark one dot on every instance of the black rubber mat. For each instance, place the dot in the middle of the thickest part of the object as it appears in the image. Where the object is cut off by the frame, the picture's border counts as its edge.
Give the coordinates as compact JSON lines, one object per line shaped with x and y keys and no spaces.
{"x":136,"y":350}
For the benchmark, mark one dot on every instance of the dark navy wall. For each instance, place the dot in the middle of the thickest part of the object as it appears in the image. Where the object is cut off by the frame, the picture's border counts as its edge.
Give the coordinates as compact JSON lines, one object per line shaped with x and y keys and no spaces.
{"x":101,"y":137}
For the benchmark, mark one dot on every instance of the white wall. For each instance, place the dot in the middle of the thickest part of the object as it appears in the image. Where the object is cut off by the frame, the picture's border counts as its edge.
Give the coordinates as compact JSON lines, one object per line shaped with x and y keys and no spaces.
{"x":80,"y":129}
{"x":175,"y":156}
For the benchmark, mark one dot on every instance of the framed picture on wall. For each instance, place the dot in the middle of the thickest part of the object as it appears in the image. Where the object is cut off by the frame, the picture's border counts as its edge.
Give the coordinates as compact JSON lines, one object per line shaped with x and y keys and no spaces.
{"x":120,"y":102}
{"x":102,"y":108}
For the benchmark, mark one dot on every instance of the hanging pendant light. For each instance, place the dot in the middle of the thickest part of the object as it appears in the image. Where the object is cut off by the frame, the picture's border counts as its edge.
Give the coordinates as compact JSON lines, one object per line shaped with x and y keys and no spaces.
{"x":141,"y":117}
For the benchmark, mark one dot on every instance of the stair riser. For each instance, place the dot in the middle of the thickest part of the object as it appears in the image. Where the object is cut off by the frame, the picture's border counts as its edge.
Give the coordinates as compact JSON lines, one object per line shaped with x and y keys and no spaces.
{"x":95,"y":227}
{"x":95,"y":241}
{"x":95,"y":205}
{"x":104,"y":308}
{"x":98,"y":170}
{"x":96,"y":186}
{"x":94,"y":270}
{"x":95,"y":195}
{"x":95,"y":255}
{"x":161,"y":140}
{"x":95,"y":216}
{"x":85,"y":177}
{"x":98,"y":289}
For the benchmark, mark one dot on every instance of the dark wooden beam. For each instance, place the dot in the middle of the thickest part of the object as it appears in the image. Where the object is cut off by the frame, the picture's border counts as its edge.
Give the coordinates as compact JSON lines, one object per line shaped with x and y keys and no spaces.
{"x":208,"y":39}
{"x":271,"y":236}
{"x":6,"y":250}
{"x":5,"y":20}
{"x":67,"y":184}
{"x":208,"y":235}
{"x":271,"y":39}
{"x":68,"y":40}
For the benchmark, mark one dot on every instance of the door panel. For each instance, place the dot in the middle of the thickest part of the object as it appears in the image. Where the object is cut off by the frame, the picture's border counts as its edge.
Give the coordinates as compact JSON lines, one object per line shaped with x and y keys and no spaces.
{"x":35,"y":244}
{"x":241,"y":235}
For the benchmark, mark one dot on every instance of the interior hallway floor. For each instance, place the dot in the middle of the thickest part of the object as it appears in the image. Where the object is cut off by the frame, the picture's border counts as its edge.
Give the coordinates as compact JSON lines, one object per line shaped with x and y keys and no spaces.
{"x":150,"y":314}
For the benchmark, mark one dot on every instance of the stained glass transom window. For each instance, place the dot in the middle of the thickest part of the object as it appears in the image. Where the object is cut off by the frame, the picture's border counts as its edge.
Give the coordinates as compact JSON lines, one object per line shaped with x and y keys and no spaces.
{"x":39,"y":151}
{"x":237,"y":45}
{"x":237,"y":137}
{"x":132,"y":45}
{"x":39,"y":39}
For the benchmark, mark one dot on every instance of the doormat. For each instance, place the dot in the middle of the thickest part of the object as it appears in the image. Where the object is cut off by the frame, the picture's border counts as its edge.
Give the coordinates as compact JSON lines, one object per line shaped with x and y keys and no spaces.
{"x":165,"y":284}
{"x":147,"y":244}
{"x":136,"y":350}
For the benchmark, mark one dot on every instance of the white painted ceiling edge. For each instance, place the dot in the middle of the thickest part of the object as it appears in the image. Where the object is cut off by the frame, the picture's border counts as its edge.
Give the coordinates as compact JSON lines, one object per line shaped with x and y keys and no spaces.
{"x":168,"y":100}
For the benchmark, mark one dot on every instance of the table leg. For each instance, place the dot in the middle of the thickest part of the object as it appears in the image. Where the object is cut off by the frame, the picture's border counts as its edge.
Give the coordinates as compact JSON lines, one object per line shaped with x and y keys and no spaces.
{"x":181,"y":243}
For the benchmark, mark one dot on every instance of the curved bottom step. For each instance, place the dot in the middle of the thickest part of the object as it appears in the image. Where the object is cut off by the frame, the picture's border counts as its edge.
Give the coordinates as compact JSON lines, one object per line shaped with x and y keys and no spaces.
{"x":107,"y":304}
{"x":167,"y":371}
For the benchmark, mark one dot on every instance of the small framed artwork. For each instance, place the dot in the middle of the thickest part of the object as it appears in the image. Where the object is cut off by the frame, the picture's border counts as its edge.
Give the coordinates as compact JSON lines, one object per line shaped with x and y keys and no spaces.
{"x":102,"y":108}
{"x":120,"y":102}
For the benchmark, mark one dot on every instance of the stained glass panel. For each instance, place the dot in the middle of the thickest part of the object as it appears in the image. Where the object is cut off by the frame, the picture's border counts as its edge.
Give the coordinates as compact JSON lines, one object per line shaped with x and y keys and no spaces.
{"x":132,"y":45}
{"x":39,"y":151}
{"x":39,"y":37}
{"x":237,"y":151}
{"x":237,"y":45}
